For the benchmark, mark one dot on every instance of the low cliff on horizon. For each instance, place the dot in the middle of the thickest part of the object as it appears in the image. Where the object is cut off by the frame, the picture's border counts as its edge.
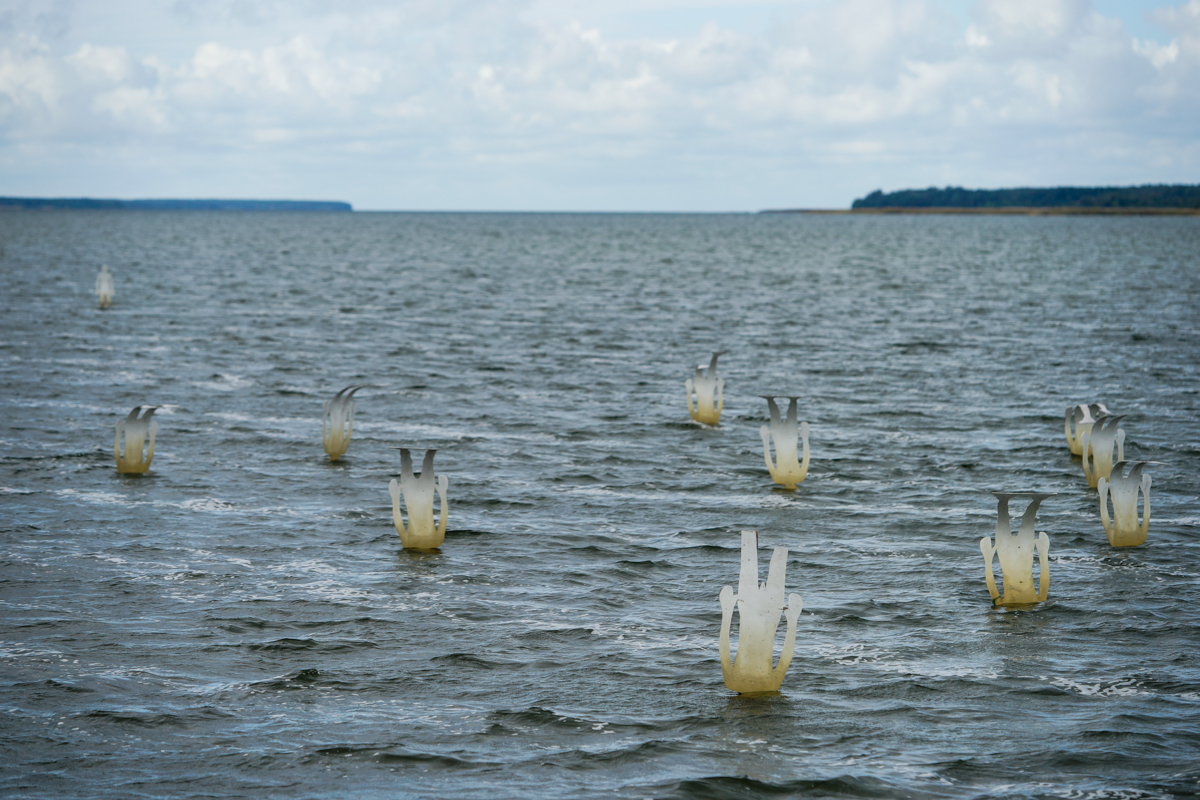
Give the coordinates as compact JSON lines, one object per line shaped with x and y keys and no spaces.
{"x":36,"y":203}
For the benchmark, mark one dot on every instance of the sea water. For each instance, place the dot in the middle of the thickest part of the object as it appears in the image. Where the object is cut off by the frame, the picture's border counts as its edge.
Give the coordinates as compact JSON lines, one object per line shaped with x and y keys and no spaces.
{"x":243,"y":622}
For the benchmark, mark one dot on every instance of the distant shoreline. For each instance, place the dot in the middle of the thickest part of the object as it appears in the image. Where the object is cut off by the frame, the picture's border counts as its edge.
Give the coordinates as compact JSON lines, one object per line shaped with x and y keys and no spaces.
{"x":1148,"y":199}
{"x":1034,"y":211}
{"x":96,"y":204}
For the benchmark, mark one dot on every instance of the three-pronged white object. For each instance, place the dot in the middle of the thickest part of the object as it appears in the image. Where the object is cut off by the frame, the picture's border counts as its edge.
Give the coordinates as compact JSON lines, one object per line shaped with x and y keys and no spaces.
{"x":1097,"y":445}
{"x":759,"y":606}
{"x":134,"y":429}
{"x":1123,"y":528}
{"x":706,"y":393}
{"x":337,"y":423}
{"x":1016,"y":553}
{"x":421,"y":533}
{"x":788,"y":468}
{"x":1079,"y":420}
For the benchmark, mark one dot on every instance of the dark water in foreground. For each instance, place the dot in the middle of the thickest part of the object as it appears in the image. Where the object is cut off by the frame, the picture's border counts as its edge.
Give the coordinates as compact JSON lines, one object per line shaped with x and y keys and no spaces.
{"x":243,"y":622}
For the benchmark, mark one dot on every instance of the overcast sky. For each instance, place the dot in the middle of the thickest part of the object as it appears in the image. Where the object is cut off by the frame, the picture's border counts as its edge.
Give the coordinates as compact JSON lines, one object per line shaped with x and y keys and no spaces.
{"x":575,"y":105}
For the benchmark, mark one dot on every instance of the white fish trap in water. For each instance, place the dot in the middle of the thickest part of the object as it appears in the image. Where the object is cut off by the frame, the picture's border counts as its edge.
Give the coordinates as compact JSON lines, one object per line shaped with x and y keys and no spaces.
{"x":1016,"y":553}
{"x":759,"y":606}
{"x":788,"y":468}
{"x":1078,"y":421}
{"x":1123,"y":528}
{"x":421,"y":533}
{"x":104,"y":286}
{"x":337,"y":423}
{"x":706,"y":393}
{"x":130,"y":456}
{"x":1097,"y":446}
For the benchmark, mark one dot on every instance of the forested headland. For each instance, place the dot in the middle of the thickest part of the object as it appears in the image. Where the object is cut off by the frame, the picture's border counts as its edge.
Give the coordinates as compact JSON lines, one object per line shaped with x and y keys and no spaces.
{"x":1114,"y":198}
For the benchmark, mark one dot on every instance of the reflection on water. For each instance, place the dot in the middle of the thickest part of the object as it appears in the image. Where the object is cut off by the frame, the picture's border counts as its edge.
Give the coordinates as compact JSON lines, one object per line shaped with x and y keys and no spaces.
{"x":244,"y":621}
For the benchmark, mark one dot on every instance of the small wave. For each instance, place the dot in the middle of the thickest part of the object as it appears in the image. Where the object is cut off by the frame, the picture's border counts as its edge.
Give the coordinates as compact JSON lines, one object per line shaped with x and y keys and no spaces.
{"x":67,"y":687}
{"x":225,"y":382}
{"x":244,"y":624}
{"x":1124,"y":687}
{"x":508,"y":720}
{"x":558,"y":635}
{"x":35,"y":402}
{"x":290,"y":644}
{"x":304,"y":679}
{"x":728,"y":787}
{"x":470,"y":661}
{"x":153,"y":719}
{"x":204,"y":504}
{"x":1110,"y":794}
{"x":98,"y":497}
{"x":383,"y":754}
{"x":615,"y":758}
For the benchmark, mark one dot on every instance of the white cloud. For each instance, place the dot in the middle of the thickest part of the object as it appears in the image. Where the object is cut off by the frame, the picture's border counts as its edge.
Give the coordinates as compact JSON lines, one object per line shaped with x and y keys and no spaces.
{"x":1158,"y":55}
{"x":33,"y":87}
{"x":386,"y":94}
{"x":102,"y":65}
{"x":1037,"y":28}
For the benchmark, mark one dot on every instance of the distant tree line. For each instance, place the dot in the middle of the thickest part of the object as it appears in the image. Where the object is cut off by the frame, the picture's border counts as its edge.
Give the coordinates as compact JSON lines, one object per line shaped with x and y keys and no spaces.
{"x":171,"y":205}
{"x":1150,"y":196}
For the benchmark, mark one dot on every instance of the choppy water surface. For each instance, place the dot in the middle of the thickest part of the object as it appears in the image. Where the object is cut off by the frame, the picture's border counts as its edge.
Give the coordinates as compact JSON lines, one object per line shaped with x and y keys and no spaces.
{"x":242,"y":622}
